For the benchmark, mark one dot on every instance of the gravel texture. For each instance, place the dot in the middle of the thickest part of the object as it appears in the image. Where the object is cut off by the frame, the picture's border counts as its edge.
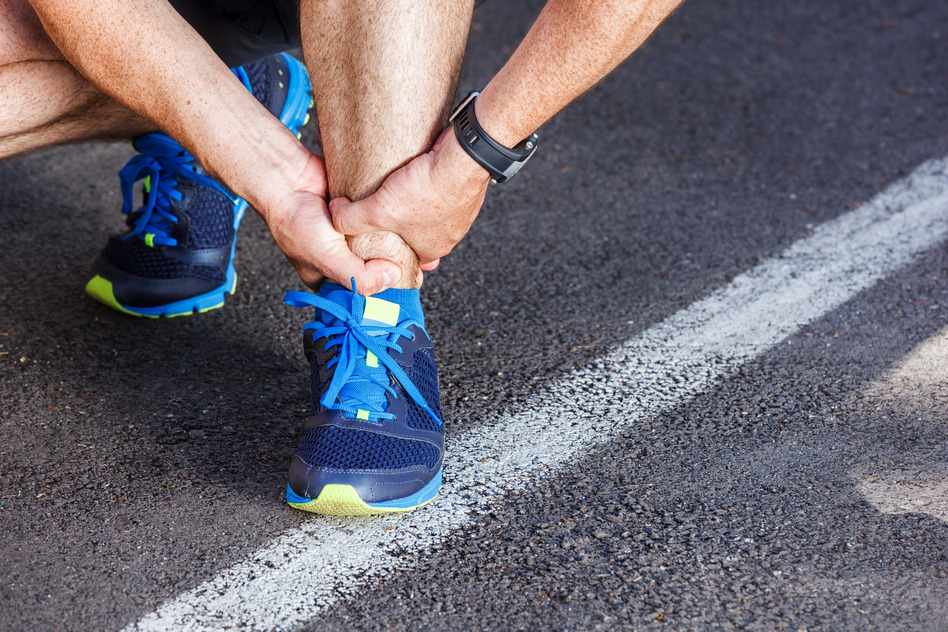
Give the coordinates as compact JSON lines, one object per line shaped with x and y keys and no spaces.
{"x":141,"y":458}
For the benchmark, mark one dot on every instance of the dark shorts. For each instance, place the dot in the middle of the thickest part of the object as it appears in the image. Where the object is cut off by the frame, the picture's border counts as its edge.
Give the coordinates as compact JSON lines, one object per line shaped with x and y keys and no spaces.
{"x":242,"y":31}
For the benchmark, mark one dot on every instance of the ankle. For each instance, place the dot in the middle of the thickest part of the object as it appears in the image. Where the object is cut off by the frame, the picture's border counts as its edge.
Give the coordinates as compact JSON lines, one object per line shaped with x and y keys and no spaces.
{"x":389,"y":246}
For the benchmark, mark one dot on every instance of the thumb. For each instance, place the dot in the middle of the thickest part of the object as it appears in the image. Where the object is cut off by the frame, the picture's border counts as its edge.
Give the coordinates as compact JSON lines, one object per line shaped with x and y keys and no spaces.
{"x":380,"y":274}
{"x":372,"y":276}
{"x":356,"y":218}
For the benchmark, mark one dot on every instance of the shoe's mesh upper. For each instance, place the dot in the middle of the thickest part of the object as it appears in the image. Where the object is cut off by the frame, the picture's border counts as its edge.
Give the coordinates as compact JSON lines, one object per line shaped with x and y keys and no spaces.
{"x":211,"y":219}
{"x":210,"y":214}
{"x":259,"y":74}
{"x":344,"y":448}
{"x":150,"y":263}
{"x":424,"y":375}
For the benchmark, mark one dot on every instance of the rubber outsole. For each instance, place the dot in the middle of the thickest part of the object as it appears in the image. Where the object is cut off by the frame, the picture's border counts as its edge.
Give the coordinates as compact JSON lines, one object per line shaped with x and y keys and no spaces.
{"x":295,"y":114}
{"x":101,"y":290}
{"x":344,"y":500}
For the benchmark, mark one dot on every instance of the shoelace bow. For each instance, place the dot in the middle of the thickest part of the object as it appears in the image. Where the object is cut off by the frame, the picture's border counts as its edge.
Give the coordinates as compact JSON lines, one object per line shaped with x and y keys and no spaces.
{"x":351,"y":373}
{"x":161,"y":161}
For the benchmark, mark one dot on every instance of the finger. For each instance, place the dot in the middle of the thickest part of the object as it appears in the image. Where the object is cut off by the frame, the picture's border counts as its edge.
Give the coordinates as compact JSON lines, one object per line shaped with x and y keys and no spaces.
{"x":375,"y":269}
{"x":308,"y":276}
{"x":355,"y":218}
{"x":342,"y":266}
{"x":428,"y":266}
{"x":371,"y":276}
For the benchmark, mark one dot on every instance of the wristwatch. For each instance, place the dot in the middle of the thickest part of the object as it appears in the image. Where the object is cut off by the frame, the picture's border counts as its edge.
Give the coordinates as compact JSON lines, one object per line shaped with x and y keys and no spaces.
{"x":502,"y":163}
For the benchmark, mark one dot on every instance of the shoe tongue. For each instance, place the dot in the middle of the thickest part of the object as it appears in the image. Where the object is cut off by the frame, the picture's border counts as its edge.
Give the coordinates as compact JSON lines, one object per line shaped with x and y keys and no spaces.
{"x":380,"y":312}
{"x":385,"y":308}
{"x":338,"y":295}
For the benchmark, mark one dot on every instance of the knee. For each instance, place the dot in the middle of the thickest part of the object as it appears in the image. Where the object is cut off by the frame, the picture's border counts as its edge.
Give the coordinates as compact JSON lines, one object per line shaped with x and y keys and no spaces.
{"x":22,"y":36}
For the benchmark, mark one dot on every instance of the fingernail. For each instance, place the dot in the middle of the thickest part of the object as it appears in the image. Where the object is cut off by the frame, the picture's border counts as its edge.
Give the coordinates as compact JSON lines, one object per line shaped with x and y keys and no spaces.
{"x":389,"y":278}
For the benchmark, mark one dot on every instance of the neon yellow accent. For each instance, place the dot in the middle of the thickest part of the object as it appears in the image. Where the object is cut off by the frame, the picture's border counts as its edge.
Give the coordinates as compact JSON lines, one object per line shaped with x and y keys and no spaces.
{"x":380,"y":310}
{"x":306,"y":120}
{"x":280,"y":72}
{"x":280,"y":84}
{"x":343,"y":500}
{"x":147,"y":185}
{"x":190,"y":312}
{"x":299,"y":135}
{"x":207,"y":309}
{"x":150,"y":239}
{"x":362,"y":414}
{"x":101,"y":290}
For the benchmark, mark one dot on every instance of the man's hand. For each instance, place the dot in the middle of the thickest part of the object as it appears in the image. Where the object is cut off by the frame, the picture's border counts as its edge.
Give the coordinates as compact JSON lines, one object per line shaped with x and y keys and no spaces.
{"x":302,"y":227}
{"x":430,"y":202}
{"x":145,"y":56}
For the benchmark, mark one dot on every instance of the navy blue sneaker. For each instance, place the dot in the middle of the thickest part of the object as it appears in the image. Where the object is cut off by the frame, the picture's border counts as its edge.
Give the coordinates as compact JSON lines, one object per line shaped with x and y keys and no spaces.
{"x":177,"y":256}
{"x":374,"y":442}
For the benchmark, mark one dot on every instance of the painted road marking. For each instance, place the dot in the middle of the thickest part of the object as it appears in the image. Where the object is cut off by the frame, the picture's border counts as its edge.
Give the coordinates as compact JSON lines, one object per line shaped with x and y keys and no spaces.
{"x":913,"y":481}
{"x":307,"y":569}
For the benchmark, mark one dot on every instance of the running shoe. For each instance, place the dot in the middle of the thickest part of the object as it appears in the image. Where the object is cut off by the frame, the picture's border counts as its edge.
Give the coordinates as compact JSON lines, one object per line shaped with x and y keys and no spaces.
{"x":177,"y":256}
{"x":374,"y":441}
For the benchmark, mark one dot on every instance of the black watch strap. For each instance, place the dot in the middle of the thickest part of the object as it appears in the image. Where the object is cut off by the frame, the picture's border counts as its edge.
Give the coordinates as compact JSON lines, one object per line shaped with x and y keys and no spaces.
{"x":502,"y":163}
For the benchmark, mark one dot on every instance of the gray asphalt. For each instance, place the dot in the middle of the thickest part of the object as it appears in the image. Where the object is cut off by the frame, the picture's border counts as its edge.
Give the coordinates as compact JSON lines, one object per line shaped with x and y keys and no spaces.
{"x":140,"y":458}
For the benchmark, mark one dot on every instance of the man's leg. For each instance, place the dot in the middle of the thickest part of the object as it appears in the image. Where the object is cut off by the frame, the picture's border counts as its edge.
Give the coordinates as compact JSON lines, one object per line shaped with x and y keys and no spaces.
{"x":43,"y":100}
{"x":177,"y":255}
{"x":385,"y":74}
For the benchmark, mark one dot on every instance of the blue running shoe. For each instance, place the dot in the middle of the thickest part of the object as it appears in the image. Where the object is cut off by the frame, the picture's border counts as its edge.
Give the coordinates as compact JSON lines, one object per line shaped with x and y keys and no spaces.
{"x":177,"y":256}
{"x":374,"y":442}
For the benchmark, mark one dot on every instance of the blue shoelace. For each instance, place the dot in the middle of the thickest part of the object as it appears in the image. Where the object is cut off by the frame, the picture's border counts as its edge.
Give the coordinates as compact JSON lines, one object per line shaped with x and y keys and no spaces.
{"x":354,"y":386}
{"x":160,"y":162}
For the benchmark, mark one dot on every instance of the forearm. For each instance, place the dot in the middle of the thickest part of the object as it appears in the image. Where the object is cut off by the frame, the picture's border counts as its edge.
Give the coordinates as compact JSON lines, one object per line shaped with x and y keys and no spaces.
{"x":142,"y":54}
{"x":572,"y":45}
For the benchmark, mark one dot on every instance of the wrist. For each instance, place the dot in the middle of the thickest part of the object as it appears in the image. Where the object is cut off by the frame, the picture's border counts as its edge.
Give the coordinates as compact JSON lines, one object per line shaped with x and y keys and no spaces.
{"x":264,"y":163}
{"x":282,"y":167}
{"x":500,"y":161}
{"x":458,"y":162}
{"x":500,"y":123}
{"x":243,"y":145}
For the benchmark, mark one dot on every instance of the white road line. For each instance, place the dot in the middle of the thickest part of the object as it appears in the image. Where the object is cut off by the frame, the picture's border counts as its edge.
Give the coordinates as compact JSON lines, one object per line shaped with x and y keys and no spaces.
{"x":307,"y":569}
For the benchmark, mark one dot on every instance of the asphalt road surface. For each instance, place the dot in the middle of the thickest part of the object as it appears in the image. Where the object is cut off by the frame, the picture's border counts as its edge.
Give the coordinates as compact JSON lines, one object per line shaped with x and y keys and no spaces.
{"x":693,"y":367}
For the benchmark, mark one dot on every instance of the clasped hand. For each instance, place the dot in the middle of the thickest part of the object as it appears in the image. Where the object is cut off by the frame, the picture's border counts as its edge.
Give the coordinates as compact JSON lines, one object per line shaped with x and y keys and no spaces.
{"x":430,"y":202}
